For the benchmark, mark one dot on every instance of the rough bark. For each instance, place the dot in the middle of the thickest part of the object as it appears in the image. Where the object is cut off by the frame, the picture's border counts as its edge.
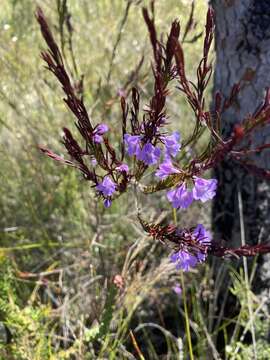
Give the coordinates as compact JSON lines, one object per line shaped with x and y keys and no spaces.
{"x":243,"y":53}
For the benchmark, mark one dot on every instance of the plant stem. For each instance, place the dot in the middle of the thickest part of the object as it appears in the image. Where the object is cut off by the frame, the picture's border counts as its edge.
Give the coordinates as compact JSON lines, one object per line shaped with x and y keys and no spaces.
{"x":135,"y":344}
{"x":185,"y":302}
{"x":249,"y":300}
{"x":186,"y":317}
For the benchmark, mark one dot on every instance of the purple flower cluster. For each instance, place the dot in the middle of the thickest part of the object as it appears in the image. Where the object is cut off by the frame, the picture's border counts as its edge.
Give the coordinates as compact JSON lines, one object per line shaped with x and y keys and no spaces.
{"x":183,"y":259}
{"x":150,"y":154}
{"x":203,"y":190}
{"x":181,"y":196}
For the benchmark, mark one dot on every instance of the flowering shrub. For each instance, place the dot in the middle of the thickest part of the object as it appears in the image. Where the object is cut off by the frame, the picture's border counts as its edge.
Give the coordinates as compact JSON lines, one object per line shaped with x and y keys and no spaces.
{"x":145,"y":142}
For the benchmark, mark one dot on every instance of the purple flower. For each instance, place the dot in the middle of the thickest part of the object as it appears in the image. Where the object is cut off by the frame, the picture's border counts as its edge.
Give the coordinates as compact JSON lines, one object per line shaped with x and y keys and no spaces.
{"x":165,"y":169}
{"x":133,"y":144}
{"x":204,"y":237}
{"x":204,"y":189}
{"x":180,"y":197}
{"x":94,"y":161}
{"x":107,"y":203}
{"x":171,"y":143}
{"x":101,"y":129}
{"x":177,"y":289}
{"x":107,"y":187}
{"x":122,"y":168}
{"x":121,"y":93}
{"x":97,"y":138}
{"x":98,"y":132}
{"x":184,"y":260}
{"x":149,"y":154}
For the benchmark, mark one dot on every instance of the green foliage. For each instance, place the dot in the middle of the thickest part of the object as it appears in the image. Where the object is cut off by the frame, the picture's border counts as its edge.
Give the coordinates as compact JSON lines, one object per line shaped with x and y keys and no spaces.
{"x":24,"y":323}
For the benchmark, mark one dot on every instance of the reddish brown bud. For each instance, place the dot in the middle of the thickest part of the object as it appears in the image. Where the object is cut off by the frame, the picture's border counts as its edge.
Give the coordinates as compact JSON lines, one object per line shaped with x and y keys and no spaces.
{"x":239,"y":132}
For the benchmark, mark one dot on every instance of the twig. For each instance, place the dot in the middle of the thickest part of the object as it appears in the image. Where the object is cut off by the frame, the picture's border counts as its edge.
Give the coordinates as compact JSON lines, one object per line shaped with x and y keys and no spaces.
{"x":243,"y":241}
{"x":136,"y":346}
{"x":118,"y":39}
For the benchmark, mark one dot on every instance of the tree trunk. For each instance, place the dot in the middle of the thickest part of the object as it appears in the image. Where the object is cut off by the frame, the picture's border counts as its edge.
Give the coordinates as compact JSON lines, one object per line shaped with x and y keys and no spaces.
{"x":243,"y":54}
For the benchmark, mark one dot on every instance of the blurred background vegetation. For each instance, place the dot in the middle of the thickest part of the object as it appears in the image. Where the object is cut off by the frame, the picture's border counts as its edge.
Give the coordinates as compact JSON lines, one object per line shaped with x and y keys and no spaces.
{"x":60,"y":250}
